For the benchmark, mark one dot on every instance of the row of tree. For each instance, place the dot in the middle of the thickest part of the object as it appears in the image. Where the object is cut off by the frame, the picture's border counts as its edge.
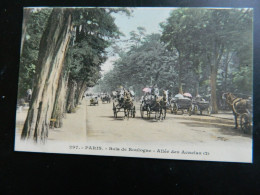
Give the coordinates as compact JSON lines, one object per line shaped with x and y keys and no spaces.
{"x":201,"y":51}
{"x":61,"y":54}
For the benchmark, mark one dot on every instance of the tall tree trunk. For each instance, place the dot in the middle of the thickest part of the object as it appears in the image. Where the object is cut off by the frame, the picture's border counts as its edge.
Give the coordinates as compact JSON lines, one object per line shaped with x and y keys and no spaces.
{"x":180,"y":87}
{"x":179,"y":79}
{"x":60,"y":101}
{"x":180,"y":74}
{"x":227,"y":61}
{"x":82,"y":86}
{"x":26,"y":14}
{"x":213,"y":75}
{"x":213,"y":83}
{"x":197,"y":88}
{"x":53,"y":48}
{"x":71,"y":96}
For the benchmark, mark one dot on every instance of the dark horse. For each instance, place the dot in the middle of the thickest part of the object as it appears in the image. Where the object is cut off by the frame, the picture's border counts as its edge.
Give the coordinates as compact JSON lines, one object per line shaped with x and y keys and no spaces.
{"x":163,"y":104}
{"x":106,"y":98}
{"x":239,"y":106}
{"x":126,"y":102}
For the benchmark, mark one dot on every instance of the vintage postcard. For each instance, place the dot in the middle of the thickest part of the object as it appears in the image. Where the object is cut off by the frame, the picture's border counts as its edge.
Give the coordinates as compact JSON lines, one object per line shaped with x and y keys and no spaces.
{"x":165,"y":83}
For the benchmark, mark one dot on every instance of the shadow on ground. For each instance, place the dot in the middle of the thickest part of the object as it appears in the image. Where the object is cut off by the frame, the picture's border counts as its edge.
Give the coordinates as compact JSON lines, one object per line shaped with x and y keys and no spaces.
{"x":121,"y":118}
{"x":225,"y":130}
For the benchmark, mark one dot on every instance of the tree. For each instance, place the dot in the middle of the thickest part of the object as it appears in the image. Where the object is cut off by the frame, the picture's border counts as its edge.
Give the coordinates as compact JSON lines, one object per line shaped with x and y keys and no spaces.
{"x":26,"y":14}
{"x":178,"y":34}
{"x":53,"y":46}
{"x":60,"y":71}
{"x":95,"y":31}
{"x":35,"y":21}
{"x":147,"y":63}
{"x":213,"y":31}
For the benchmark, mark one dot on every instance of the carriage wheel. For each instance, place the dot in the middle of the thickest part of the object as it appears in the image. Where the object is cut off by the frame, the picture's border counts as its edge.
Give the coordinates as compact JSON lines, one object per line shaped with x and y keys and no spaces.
{"x":190,"y":110}
{"x":175,"y":109}
{"x":209,"y":110}
{"x":172,"y":110}
{"x":245,"y":123}
{"x":141,"y":111}
{"x":195,"y":109}
{"x":148,"y":112}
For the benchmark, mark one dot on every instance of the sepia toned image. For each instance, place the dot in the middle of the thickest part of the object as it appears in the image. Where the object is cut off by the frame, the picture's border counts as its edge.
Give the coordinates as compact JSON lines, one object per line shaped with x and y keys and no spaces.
{"x":168,"y":83}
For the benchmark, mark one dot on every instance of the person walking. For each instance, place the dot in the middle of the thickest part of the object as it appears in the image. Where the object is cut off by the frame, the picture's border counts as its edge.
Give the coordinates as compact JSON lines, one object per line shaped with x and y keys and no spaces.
{"x":29,"y":95}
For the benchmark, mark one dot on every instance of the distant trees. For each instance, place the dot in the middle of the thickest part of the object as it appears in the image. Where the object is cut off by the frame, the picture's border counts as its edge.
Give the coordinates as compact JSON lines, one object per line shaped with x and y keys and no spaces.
{"x":210,"y":36}
{"x":144,"y":64}
{"x":200,"y":51}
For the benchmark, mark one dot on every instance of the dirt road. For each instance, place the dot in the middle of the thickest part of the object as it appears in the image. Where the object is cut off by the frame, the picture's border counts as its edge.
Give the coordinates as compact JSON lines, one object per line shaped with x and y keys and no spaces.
{"x":183,"y":135}
{"x":101,"y":125}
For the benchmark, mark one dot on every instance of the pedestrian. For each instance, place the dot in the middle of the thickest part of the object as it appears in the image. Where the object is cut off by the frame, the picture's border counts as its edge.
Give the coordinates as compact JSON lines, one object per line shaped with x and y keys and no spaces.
{"x":29,"y":95}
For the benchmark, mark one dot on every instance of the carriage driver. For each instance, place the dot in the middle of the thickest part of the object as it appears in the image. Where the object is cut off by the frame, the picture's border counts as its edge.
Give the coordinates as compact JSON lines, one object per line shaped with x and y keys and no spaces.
{"x":155,"y":91}
{"x":120,"y":91}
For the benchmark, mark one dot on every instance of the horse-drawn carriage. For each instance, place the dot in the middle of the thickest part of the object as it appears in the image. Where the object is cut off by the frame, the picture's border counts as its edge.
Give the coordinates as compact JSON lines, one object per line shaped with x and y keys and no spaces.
{"x":242,"y":109}
{"x":181,"y":103}
{"x":199,"y":105}
{"x":123,"y":103}
{"x":151,"y":104}
{"x":94,"y":100}
{"x":105,"y":98}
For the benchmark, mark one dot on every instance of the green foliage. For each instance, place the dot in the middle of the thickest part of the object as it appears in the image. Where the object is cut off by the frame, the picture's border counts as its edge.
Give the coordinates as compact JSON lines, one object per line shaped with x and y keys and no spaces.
{"x":243,"y":79}
{"x":95,"y":31}
{"x":28,"y":61}
{"x":194,"y":41}
{"x":203,"y":37}
{"x":141,"y":66}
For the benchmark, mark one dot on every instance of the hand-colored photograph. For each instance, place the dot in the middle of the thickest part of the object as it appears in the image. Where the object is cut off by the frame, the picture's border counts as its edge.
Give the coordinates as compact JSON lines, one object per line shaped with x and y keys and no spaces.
{"x":164,"y":83}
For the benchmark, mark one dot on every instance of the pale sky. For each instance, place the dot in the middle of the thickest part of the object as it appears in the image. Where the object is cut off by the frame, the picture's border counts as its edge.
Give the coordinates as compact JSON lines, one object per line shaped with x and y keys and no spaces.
{"x":149,"y":18}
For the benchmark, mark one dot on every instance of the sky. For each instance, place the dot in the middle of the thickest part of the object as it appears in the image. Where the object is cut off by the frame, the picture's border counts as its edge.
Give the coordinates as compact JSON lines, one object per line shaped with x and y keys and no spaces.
{"x":149,"y":18}
{"x":145,"y":17}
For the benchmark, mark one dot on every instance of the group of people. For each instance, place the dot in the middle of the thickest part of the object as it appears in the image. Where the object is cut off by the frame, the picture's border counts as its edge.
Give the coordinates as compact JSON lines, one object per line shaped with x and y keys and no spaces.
{"x":123,"y":95}
{"x":151,"y":93}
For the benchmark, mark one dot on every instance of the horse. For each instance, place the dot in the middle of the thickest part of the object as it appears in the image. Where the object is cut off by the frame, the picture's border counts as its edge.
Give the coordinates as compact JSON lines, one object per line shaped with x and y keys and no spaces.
{"x":158,"y":104}
{"x":125,"y":102}
{"x":239,"y":106}
{"x":128,"y":103}
{"x":163,"y":101}
{"x":120,"y":96}
{"x":105,"y":98}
